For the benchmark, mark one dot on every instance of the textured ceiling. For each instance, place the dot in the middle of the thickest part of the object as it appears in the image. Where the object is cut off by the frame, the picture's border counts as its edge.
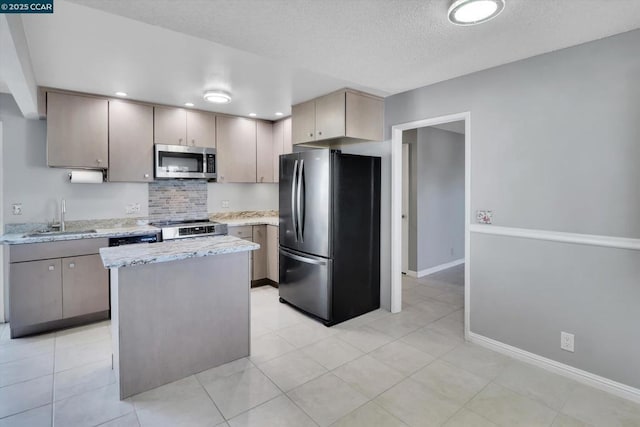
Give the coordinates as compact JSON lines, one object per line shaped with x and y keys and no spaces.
{"x":271,"y":53}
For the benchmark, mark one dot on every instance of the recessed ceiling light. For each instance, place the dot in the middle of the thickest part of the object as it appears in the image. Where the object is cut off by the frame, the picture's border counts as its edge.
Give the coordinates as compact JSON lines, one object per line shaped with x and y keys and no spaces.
{"x":471,"y":12}
{"x":121,"y":93}
{"x":252,"y":114}
{"x":188,"y":104}
{"x":278,"y":113}
{"x":217,"y":97}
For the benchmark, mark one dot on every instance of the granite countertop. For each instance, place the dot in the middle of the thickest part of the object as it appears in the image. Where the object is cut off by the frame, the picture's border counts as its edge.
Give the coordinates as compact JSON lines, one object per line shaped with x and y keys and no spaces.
{"x":173,"y":250}
{"x":26,"y":237}
{"x":262,"y":220}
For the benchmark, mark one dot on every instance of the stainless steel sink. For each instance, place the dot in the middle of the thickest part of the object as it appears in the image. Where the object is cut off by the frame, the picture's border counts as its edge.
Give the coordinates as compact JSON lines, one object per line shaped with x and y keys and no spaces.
{"x":57,"y":233}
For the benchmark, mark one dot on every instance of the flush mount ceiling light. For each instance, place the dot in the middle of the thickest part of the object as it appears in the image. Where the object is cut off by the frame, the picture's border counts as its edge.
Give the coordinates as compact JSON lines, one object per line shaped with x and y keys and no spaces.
{"x":278,"y":113}
{"x":217,"y":97}
{"x":188,"y":104}
{"x":121,"y":93}
{"x":472,"y":12}
{"x":252,"y":114}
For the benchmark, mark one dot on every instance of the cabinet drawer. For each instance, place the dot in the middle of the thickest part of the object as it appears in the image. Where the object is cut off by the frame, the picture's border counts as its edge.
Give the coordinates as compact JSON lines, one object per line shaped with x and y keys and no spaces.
{"x":244,"y":232}
{"x":48,"y":250}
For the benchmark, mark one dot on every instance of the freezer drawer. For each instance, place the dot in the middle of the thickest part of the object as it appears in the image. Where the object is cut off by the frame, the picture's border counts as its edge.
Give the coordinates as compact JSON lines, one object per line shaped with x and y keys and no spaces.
{"x":305,"y":282}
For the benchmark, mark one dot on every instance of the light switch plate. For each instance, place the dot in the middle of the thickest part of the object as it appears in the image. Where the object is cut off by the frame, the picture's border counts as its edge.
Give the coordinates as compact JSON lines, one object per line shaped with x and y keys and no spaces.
{"x":484,"y":217}
{"x":17,"y":208}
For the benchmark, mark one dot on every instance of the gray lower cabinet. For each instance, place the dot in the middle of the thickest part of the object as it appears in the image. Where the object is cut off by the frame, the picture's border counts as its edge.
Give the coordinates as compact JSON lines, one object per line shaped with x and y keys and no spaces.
{"x":260,"y":255}
{"x":36,"y":292}
{"x":56,"y":284}
{"x":85,"y":286}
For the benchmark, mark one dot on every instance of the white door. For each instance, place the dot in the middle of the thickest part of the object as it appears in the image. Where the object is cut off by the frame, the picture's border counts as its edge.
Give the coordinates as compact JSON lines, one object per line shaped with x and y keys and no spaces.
{"x":405,"y":208}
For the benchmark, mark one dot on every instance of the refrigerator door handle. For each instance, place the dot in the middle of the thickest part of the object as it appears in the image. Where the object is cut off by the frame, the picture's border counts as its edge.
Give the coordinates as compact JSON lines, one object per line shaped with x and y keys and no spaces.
{"x":301,"y":200}
{"x":303,"y":258}
{"x":293,"y":199}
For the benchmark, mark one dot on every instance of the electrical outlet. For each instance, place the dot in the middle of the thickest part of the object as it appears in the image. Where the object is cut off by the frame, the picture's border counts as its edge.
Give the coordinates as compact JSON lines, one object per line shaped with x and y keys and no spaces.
{"x":567,"y":341}
{"x":17,"y":208}
{"x":225,"y":203}
{"x":484,"y":217}
{"x":132,"y":208}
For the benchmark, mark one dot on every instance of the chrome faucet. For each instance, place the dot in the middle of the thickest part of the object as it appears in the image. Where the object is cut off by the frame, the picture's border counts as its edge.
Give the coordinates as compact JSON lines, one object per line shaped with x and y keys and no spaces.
{"x":63,"y":210}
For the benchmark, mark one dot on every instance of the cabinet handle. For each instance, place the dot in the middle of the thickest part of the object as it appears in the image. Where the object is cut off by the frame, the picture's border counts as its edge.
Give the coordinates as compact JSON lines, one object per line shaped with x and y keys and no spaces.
{"x":51,"y":268}
{"x":193,"y":142}
{"x":146,"y":175}
{"x":99,"y":161}
{"x":319,"y":133}
{"x":310,"y":134}
{"x":180,"y":141}
{"x":72,"y":265}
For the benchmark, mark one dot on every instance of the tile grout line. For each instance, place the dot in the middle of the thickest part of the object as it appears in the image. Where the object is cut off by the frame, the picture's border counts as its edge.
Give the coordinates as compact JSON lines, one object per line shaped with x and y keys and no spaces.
{"x":208,"y":395}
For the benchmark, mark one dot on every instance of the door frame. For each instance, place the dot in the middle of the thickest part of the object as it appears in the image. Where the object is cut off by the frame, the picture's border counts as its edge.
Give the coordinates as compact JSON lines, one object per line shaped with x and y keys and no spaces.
{"x":406,"y":195}
{"x":396,"y":206}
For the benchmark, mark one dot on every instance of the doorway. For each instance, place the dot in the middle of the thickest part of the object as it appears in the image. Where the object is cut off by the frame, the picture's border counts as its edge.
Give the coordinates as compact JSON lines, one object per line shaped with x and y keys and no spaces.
{"x":397,"y":172}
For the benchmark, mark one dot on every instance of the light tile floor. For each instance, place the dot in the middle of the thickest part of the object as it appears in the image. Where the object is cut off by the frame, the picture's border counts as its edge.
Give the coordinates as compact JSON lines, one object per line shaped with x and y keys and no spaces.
{"x":412,"y":368}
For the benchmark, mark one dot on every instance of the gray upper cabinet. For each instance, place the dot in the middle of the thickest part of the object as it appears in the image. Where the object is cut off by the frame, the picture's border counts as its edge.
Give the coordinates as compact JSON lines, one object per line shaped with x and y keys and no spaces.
{"x":236,"y":149}
{"x":264,"y":151}
{"x":330,"y":117}
{"x":201,"y":129}
{"x":169,"y":126}
{"x":77,"y":131}
{"x":343,"y":114}
{"x":177,"y":126}
{"x":130,"y":142}
{"x":304,"y":122}
{"x":281,"y":144}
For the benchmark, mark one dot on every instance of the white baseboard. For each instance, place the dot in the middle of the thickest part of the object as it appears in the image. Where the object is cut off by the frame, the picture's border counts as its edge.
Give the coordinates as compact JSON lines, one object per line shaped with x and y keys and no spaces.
{"x":593,"y":380}
{"x":435,"y":269}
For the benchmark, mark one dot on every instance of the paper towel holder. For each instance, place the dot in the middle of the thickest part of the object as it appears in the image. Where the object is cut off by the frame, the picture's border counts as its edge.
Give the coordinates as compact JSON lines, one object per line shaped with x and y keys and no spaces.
{"x":86,"y":176}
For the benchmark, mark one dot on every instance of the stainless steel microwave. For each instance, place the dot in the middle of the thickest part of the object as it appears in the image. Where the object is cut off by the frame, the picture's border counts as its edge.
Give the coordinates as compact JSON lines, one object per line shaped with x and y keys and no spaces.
{"x":184,"y":162}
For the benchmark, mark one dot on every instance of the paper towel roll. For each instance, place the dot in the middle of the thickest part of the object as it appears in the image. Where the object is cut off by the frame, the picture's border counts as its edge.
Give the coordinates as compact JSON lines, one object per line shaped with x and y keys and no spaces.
{"x":85,"y":177}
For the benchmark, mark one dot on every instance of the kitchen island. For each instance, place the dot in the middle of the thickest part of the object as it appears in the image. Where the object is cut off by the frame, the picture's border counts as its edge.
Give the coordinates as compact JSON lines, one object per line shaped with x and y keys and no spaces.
{"x":177,"y":308}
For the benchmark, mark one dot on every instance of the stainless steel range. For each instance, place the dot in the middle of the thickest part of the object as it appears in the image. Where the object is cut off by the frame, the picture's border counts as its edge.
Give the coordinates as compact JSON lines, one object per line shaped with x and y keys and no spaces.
{"x":172,"y":230}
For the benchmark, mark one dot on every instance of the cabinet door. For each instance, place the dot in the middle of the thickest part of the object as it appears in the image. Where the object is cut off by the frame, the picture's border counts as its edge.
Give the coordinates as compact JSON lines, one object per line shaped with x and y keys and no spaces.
{"x":287,"y":146}
{"x":35,"y":293}
{"x":272,"y":253}
{"x":278,"y":147}
{"x":260,"y":255}
{"x":330,"y":116}
{"x":130,"y":142}
{"x":201,"y":129}
{"x":77,"y":129}
{"x":303,"y":123}
{"x":365,"y":116}
{"x":169,"y":126}
{"x":236,"y":149}
{"x":264,"y":151}
{"x":85,"y":286}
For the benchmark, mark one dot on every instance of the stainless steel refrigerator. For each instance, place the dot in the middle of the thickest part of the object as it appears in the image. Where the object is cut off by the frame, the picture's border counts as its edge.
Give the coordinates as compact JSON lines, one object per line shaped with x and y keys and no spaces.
{"x":330,"y":233}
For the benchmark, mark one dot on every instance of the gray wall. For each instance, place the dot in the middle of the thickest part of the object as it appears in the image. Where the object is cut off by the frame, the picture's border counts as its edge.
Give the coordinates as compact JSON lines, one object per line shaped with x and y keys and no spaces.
{"x":555,"y":145}
{"x":436,"y":203}
{"x":29,"y":181}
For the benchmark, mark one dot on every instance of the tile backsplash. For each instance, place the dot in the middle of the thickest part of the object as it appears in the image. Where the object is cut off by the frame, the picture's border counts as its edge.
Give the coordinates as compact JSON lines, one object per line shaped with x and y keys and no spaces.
{"x":177,"y":200}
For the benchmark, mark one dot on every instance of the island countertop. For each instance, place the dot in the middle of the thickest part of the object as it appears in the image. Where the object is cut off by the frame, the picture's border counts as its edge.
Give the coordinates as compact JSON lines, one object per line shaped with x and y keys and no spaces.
{"x":174,"y":250}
